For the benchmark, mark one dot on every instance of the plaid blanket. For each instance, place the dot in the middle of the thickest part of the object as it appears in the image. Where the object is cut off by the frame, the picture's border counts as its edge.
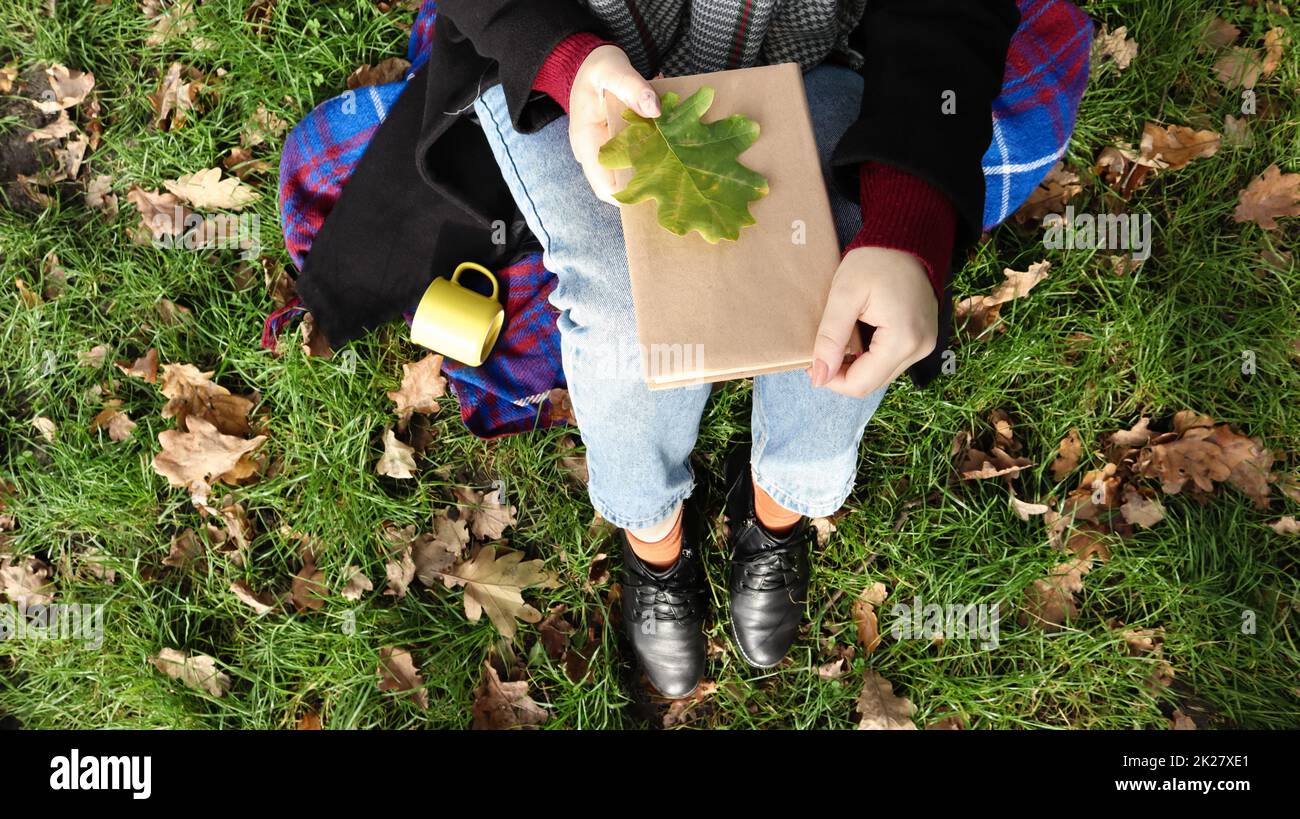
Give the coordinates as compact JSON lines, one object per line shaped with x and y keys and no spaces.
{"x":1047,"y":70}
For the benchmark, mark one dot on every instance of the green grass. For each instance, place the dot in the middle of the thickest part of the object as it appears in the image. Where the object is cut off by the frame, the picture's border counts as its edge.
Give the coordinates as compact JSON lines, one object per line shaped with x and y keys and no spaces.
{"x":1167,"y":337}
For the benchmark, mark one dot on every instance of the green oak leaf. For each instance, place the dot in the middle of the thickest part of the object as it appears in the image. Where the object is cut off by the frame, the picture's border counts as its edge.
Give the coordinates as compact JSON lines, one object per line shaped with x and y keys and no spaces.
{"x":689,"y":167}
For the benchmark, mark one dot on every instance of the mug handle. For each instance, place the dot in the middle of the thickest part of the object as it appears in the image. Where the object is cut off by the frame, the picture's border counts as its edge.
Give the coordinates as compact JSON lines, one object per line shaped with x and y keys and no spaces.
{"x":481,"y":269}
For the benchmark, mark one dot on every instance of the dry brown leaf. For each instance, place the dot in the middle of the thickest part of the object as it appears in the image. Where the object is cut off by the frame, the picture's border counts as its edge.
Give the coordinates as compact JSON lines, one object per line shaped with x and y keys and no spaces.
{"x":397,"y":672}
{"x":1270,"y":195}
{"x":118,"y":423}
{"x":400,"y":566}
{"x":978,"y":313}
{"x":263,"y":603}
{"x":979,"y":465}
{"x":206,"y":190}
{"x":422,"y":385}
{"x":191,"y":392}
{"x":495,"y":585}
{"x":1286,"y":526}
{"x":1068,"y":453}
{"x":186,"y":549}
{"x":145,"y":367}
{"x":198,"y":671}
{"x":499,"y":705}
{"x":1025,"y":510}
{"x":1114,"y":47}
{"x":398,"y":460}
{"x":1239,"y":68}
{"x":61,"y":127}
{"x":308,"y":590}
{"x":45,"y":427}
{"x":26,"y":581}
{"x":1049,"y":603}
{"x":174,"y":98}
{"x":488,"y":518}
{"x":1051,"y":196}
{"x":1141,"y":510}
{"x":357,"y":583}
{"x":434,"y":553}
{"x":263,"y":126}
{"x":1177,"y":145}
{"x":1275,"y":40}
{"x":1138,"y":435}
{"x":168,"y":19}
{"x":391,"y":70}
{"x":201,"y":455}
{"x":1220,"y":34}
{"x":68,"y":87}
{"x":573,"y":464}
{"x":880,"y":709}
{"x":161,"y":215}
{"x":864,"y":616}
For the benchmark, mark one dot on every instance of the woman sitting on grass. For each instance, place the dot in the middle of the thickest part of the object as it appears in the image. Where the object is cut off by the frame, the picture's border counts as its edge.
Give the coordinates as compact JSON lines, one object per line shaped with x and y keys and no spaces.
{"x":508,"y":116}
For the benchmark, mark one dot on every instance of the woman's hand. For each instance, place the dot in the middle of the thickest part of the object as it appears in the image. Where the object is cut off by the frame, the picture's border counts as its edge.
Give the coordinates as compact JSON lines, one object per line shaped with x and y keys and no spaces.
{"x":606,"y":68}
{"x":889,"y":290}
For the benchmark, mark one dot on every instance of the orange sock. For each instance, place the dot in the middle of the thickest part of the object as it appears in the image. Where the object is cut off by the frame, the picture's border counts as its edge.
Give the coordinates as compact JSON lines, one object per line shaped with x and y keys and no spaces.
{"x":662,"y":553}
{"x":775,"y":518}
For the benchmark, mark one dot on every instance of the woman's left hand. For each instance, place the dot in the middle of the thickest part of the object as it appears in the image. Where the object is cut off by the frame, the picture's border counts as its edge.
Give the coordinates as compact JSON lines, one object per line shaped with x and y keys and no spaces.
{"x":887,"y":289}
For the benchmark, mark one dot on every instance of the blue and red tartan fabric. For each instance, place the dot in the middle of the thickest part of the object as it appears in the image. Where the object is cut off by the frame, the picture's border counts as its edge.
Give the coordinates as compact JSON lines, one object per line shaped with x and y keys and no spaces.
{"x":1047,"y":70}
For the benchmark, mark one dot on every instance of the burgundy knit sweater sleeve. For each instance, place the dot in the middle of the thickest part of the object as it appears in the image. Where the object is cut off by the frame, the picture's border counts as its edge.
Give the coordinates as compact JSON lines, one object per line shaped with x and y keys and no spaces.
{"x":900,"y":211}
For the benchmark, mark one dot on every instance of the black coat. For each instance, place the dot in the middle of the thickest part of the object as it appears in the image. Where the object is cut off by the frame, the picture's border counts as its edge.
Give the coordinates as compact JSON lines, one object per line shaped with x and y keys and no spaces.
{"x":427,"y":192}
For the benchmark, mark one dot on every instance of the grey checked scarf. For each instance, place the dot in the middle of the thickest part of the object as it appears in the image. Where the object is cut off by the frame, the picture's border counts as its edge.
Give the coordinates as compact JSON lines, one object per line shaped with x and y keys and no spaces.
{"x":694,"y":36}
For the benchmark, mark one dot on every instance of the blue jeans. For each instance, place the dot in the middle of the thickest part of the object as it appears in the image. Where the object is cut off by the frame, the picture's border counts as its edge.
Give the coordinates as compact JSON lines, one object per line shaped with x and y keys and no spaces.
{"x":805,"y":452}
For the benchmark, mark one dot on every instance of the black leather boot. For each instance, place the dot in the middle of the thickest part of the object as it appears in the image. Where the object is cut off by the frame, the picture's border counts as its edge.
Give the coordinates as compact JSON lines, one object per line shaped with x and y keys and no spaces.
{"x":663,"y":611}
{"x":769,"y":574}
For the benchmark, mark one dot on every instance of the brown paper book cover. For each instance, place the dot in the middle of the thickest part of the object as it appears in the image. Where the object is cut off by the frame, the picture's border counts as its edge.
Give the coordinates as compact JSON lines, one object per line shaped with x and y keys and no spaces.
{"x":713,"y":312}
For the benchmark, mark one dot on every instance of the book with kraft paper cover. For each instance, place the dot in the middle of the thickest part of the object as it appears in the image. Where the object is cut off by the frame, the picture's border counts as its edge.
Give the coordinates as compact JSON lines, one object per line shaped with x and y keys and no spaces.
{"x":713,"y":312}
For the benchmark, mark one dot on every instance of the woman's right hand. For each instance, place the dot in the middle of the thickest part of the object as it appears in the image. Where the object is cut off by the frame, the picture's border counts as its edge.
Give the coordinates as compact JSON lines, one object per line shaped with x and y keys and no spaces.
{"x":606,"y":68}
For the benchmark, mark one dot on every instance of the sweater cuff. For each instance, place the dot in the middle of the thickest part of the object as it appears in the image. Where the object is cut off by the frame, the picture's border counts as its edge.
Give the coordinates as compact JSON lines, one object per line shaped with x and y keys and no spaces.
{"x":904,"y":212}
{"x":555,"y":77}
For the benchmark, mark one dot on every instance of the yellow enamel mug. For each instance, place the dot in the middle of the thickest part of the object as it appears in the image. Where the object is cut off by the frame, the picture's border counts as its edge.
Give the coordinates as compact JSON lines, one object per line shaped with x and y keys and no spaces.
{"x":456,"y":321}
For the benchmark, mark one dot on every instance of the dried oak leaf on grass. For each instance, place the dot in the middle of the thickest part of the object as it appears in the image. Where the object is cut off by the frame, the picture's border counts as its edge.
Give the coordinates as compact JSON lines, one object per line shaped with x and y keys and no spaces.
{"x":495,"y":584}
{"x":1051,"y":196}
{"x":1161,"y":148}
{"x":26,"y":581}
{"x":392,"y":69}
{"x":880,"y":709}
{"x":488,"y":517}
{"x":864,"y":615}
{"x":499,"y":705}
{"x":1268,"y":197}
{"x":422,"y":385}
{"x":557,"y":633}
{"x":397,"y":672}
{"x":976,"y":314}
{"x":191,"y":392}
{"x":1112,"y":46}
{"x":197,"y":671}
{"x":197,"y":454}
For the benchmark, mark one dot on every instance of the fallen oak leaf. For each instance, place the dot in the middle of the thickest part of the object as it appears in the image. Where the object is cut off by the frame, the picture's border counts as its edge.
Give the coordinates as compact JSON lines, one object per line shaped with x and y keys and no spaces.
{"x":198,"y":671}
{"x":263,"y":603}
{"x":398,"y":460}
{"x":191,"y":392}
{"x":356,"y":585}
{"x":495,"y":585}
{"x":206,"y":190}
{"x":488,"y":517}
{"x":499,"y":705}
{"x":1177,"y":145}
{"x":392,"y":69}
{"x":1068,"y":453}
{"x":880,"y":709}
{"x":397,"y":672}
{"x":1269,"y":196}
{"x":201,"y":454}
{"x":145,"y":367}
{"x":26,"y":581}
{"x":1113,"y":46}
{"x":118,"y":423}
{"x":1287,"y":525}
{"x":422,"y":386}
{"x":68,"y":87}
{"x":981,"y":312}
